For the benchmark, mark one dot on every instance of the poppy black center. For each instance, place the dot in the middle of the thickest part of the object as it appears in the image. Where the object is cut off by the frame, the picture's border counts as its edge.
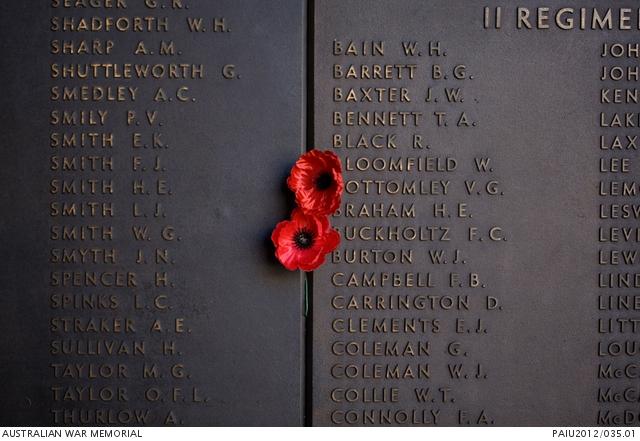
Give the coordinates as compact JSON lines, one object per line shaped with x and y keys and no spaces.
{"x":303,"y":239}
{"x":324,"y":181}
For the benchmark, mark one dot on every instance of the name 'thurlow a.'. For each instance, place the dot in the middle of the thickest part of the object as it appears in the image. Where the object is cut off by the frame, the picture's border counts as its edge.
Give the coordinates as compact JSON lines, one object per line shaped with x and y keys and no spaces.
{"x":71,"y":433}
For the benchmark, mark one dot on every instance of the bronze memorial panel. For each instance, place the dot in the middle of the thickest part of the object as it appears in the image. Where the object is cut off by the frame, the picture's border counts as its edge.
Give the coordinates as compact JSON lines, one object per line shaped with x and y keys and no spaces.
{"x":144,"y":146}
{"x":488,"y":272}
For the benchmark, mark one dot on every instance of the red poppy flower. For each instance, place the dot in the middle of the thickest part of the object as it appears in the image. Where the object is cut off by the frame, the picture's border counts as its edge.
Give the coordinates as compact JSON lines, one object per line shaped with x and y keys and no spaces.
{"x":303,"y":241}
{"x":316,"y":179}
